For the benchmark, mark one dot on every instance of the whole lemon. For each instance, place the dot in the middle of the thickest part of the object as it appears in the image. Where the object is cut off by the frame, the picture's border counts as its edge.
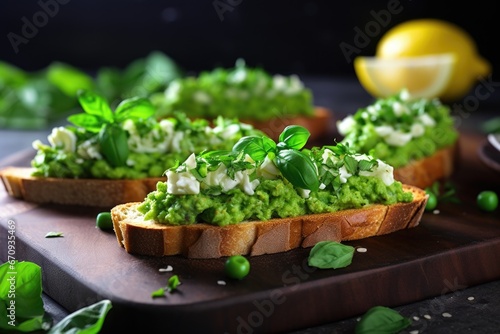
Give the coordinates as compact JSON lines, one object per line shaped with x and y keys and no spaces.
{"x":421,"y":37}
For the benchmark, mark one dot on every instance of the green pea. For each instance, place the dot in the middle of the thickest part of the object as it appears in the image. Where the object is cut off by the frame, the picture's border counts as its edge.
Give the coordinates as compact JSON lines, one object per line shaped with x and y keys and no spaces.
{"x":487,"y":200}
{"x":237,"y":267}
{"x":104,"y":221}
{"x":431,"y":202}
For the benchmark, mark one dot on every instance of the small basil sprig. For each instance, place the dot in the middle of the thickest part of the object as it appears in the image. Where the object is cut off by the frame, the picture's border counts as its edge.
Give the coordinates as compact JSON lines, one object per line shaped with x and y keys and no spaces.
{"x":383,"y":320}
{"x":99,"y":118}
{"x":296,"y":167}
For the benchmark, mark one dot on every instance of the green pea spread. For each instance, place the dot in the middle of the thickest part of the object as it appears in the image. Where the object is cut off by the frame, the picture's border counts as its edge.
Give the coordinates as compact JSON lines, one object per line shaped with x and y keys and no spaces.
{"x":221,"y":192}
{"x":153,"y":146}
{"x":399,"y":129}
{"x":240,"y":92}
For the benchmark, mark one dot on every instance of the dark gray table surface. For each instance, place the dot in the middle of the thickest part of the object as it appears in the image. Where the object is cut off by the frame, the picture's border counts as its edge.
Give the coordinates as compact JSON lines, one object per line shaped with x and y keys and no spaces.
{"x":473,"y":309}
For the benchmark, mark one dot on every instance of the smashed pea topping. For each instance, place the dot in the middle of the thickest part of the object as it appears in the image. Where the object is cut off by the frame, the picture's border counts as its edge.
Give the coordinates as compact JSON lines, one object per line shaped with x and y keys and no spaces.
{"x":153,"y":145}
{"x":399,"y":129}
{"x":240,"y":92}
{"x":250,"y":182}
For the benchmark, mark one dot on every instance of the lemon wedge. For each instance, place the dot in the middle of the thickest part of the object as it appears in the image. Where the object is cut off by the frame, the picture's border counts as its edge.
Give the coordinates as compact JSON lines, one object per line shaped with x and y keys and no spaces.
{"x":424,"y":37}
{"x":423,"y":76}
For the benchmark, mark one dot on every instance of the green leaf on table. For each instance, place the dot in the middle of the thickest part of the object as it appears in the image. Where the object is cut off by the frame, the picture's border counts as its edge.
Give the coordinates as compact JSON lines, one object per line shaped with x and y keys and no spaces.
{"x":21,"y":304}
{"x":54,"y":235}
{"x":87,"y":320}
{"x":381,"y":320}
{"x":330,"y":255}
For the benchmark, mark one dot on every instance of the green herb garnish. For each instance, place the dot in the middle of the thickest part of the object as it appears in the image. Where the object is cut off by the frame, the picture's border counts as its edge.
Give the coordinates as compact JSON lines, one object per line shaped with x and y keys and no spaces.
{"x":54,"y":234}
{"x":330,"y":255}
{"x":381,"y":320}
{"x":296,"y":167}
{"x":173,"y":283}
{"x":98,"y":118}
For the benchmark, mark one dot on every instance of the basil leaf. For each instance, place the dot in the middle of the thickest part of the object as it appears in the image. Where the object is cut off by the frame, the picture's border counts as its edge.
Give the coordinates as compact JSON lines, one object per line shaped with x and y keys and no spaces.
{"x":89,"y":122}
{"x":173,"y":283}
{"x":297,"y":168}
{"x":380,"y":319}
{"x":158,"y":293}
{"x":134,"y":108}
{"x":68,"y":79}
{"x":255,"y":146}
{"x":96,"y":105}
{"x":88,"y":320}
{"x":27,"y":280}
{"x":294,"y":136}
{"x":330,"y":255}
{"x":114,"y":145}
{"x":54,"y":235}
{"x":351,"y":164}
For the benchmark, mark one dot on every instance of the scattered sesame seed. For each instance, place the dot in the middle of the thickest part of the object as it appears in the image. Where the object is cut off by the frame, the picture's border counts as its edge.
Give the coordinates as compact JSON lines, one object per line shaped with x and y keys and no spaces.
{"x":427,"y":316}
{"x":470,"y":298}
{"x":221,"y":282}
{"x":416,"y":318}
{"x":436,"y":212}
{"x":167,"y":269}
{"x":446,"y":315}
{"x":414,"y":331}
{"x":361,"y":250}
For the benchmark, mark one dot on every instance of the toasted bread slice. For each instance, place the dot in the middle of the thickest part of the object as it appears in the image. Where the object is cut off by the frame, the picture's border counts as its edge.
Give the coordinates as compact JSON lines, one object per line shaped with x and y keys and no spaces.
{"x":424,"y":172}
{"x":319,"y":124}
{"x":85,"y":192}
{"x":202,"y":240}
{"x":108,"y":193}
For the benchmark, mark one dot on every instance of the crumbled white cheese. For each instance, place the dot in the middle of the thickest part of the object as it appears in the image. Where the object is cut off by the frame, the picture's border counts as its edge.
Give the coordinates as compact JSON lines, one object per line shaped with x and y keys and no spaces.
{"x":182,"y":183}
{"x":202,"y":97}
{"x":383,"y":171}
{"x":63,"y":138}
{"x":167,"y":269}
{"x":89,"y":150}
{"x":400,"y":109}
{"x":346,"y":125}
{"x":268,"y":170}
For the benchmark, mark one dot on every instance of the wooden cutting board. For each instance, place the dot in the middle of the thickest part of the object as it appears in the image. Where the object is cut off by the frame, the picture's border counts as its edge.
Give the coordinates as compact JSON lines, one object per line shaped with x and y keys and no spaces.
{"x":448,"y":251}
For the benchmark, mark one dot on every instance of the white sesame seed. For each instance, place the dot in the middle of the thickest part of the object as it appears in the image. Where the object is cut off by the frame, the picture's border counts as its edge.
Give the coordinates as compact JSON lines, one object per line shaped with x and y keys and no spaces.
{"x":361,"y":250}
{"x":470,"y":298}
{"x":221,"y":282}
{"x":446,"y":315}
{"x":414,"y":331}
{"x":427,"y":316}
{"x":167,"y":269}
{"x":416,"y":318}
{"x":436,"y":212}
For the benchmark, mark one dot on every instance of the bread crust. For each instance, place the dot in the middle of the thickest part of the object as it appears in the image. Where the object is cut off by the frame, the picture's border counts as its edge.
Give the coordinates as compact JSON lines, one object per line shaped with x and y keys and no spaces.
{"x":261,"y":237}
{"x":85,"y":192}
{"x":319,"y":125}
{"x":424,"y":172}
